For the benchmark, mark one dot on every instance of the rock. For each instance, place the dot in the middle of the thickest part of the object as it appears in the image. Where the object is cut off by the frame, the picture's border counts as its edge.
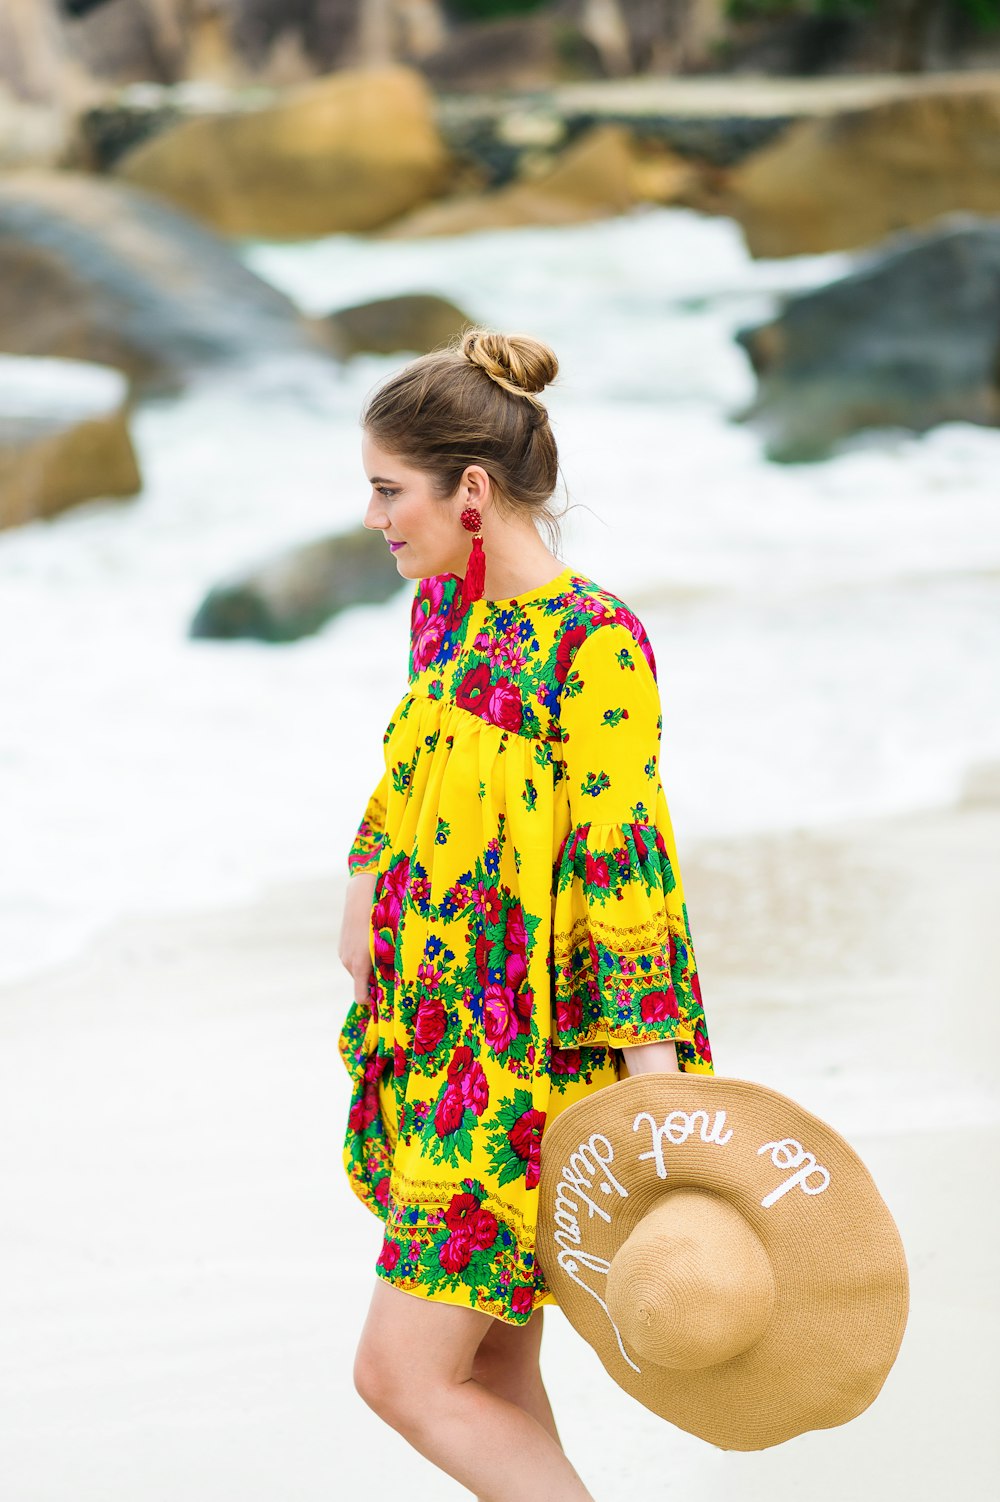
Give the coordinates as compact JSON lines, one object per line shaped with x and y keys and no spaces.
{"x":295,"y":594}
{"x":417,"y":322}
{"x":345,"y":153}
{"x":850,"y":179}
{"x":63,"y":437}
{"x":96,"y":270}
{"x":599,"y":175}
{"x":910,"y":338}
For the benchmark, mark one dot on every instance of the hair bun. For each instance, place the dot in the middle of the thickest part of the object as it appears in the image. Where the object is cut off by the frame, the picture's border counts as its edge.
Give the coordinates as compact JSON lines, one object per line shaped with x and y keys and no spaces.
{"x":517,"y":362}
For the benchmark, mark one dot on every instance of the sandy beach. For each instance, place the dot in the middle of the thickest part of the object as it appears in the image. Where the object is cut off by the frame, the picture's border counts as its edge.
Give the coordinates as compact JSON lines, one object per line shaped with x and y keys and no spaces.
{"x":185,"y":1270}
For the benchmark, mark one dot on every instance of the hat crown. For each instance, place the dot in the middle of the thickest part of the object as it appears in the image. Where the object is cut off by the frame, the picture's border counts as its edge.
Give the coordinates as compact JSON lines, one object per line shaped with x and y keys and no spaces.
{"x":693,"y":1284}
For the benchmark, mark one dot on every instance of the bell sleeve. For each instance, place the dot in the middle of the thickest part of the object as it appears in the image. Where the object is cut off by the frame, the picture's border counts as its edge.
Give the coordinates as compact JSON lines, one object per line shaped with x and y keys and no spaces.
{"x":367,"y":843}
{"x":623,"y":964}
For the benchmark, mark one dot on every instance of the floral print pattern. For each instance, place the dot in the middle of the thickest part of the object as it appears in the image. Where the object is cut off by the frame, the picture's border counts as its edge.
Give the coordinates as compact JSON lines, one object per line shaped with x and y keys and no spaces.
{"x":528,"y":921}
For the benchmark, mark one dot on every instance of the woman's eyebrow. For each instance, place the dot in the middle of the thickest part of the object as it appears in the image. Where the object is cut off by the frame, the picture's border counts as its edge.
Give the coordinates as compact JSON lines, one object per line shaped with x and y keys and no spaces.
{"x":381,"y":480}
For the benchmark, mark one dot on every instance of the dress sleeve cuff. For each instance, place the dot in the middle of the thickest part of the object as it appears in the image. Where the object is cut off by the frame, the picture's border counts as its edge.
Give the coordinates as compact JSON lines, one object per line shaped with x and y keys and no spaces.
{"x":367,"y":843}
{"x":623,"y":964}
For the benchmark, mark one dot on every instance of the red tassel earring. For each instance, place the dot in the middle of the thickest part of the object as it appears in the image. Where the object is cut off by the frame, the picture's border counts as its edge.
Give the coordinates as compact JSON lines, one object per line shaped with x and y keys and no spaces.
{"x":475,"y":574}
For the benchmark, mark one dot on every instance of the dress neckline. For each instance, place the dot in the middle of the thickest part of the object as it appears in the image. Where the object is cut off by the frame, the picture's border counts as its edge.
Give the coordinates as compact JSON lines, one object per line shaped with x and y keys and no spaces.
{"x":523,"y":596}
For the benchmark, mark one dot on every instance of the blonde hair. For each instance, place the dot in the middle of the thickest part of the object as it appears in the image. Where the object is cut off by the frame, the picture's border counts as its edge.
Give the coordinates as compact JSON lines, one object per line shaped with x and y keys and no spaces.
{"x":476,"y":402}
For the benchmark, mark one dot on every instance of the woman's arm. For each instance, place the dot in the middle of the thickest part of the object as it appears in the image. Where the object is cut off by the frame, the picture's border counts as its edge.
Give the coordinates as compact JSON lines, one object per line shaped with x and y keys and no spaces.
{"x":354,"y":953}
{"x":650,"y":1058}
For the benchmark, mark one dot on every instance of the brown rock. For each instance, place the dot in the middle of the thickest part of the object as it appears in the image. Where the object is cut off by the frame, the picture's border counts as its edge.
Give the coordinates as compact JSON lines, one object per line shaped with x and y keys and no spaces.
{"x":851,"y":178}
{"x":63,"y":438}
{"x":416,"y":321}
{"x":346,"y":153}
{"x":594,"y":178}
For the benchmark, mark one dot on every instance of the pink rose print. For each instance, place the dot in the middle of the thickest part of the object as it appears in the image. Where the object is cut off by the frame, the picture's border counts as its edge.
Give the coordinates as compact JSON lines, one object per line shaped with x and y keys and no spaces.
{"x":468,"y":1075}
{"x":516,"y":943}
{"x":503,"y":1014}
{"x":398,"y":1059}
{"x":389,"y":1255}
{"x":702,"y":1048}
{"x":525,"y":1137}
{"x":520,"y":1299}
{"x":484,"y":1231}
{"x":449,"y":1113}
{"x":364,"y":1111}
{"x":429,"y":1024}
{"x":565,"y":1061}
{"x":569,"y":1014}
{"x":382,"y":1190}
{"x":385,"y":917}
{"x":658,"y":1006}
{"x":505,"y":707}
{"x":430,"y":621}
{"x":465,"y":1219}
{"x":596,"y":873}
{"x":456,"y":1252}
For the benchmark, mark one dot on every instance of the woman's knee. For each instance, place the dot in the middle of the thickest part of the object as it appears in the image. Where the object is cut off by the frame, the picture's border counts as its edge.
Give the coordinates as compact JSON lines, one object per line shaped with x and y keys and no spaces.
{"x":377,"y":1384}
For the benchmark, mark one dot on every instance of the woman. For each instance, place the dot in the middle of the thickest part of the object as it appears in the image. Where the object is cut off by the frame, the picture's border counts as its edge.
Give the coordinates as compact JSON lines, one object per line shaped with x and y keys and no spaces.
{"x":515,"y":924}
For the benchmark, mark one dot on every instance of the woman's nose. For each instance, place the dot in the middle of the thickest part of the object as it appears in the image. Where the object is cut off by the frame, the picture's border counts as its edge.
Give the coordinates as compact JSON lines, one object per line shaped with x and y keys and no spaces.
{"x":375,"y":517}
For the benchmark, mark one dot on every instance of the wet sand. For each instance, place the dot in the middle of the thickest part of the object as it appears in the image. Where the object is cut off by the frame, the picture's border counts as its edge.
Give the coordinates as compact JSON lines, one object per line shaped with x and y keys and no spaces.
{"x":185,"y":1270}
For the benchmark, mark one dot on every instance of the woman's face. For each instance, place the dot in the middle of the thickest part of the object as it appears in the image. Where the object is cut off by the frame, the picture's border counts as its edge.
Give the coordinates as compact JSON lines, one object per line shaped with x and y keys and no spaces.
{"x":403,"y":507}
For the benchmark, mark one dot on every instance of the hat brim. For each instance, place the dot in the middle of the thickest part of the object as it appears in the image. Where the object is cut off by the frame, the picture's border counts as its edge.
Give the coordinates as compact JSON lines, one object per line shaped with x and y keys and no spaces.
{"x":842,"y":1291}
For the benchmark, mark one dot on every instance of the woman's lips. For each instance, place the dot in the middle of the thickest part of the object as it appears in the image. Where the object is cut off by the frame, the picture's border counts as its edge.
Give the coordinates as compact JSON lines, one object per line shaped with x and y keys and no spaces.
{"x":396,"y":546}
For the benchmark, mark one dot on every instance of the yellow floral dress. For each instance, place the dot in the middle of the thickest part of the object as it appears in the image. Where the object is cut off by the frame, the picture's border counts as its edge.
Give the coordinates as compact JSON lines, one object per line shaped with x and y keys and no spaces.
{"x":528,"y":919}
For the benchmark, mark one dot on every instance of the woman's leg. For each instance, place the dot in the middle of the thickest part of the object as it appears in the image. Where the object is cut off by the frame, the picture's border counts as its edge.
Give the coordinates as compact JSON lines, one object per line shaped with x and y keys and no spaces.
{"x":415,"y":1368}
{"x":507,"y":1362}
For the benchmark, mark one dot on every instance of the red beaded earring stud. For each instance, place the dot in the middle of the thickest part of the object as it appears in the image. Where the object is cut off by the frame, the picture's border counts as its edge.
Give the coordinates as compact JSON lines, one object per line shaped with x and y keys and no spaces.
{"x":475,"y":574}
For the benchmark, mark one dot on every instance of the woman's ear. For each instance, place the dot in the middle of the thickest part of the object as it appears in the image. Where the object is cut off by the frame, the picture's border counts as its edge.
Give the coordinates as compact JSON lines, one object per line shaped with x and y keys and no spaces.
{"x":476,"y":487}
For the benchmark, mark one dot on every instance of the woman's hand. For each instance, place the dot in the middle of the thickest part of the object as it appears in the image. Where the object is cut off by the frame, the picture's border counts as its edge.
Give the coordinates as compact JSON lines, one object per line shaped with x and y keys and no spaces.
{"x":650,"y":1058}
{"x":354,"y":952}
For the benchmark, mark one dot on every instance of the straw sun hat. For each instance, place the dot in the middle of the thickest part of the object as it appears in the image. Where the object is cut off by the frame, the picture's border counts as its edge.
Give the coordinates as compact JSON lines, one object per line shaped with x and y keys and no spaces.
{"x":726,"y":1253}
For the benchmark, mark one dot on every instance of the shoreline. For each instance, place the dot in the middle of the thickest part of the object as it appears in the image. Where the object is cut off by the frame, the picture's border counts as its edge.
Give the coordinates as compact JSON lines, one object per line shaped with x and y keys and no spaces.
{"x":187,"y":1271}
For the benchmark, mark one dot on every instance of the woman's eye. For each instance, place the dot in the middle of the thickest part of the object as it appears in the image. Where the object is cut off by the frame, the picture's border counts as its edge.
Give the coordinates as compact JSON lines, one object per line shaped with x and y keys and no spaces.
{"x":382,"y":490}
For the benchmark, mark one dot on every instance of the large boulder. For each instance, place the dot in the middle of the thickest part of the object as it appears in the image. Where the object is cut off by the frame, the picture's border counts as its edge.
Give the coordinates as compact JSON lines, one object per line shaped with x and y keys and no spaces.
{"x":63,"y":437}
{"x":417,"y":321}
{"x":599,"y":175}
{"x":848,"y":179}
{"x":99,"y":271}
{"x":345,"y":153}
{"x":910,"y":338}
{"x":296,"y":593}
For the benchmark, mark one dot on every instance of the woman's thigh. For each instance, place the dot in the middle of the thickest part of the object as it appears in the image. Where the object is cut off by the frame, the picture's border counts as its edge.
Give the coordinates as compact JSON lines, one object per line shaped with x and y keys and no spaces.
{"x":510,"y":1350}
{"x":409,"y":1344}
